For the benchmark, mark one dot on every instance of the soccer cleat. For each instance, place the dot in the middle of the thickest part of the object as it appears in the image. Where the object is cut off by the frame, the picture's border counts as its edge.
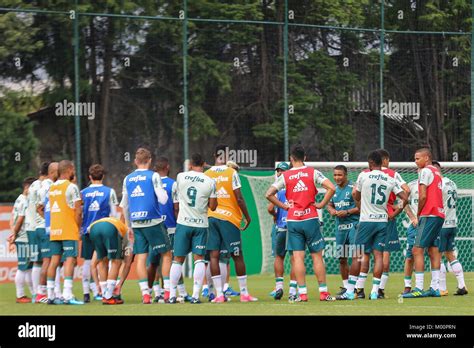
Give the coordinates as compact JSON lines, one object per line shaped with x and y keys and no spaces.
{"x":415,"y":293}
{"x":302,"y":298}
{"x":381,"y":294}
{"x":205,"y":292}
{"x":461,"y":292}
{"x":278,"y":294}
{"x":159,"y":299}
{"x":212,"y":296}
{"x":146,"y":299}
{"x":219,"y":299}
{"x":431,"y":293}
{"x":292,"y":298}
{"x":172,"y":300}
{"x":374,"y":296}
{"x":194,"y":301}
{"x":98,"y":297}
{"x":23,"y":299}
{"x":231,"y":292}
{"x":346,"y":296}
{"x":248,"y":298}
{"x":40,"y":298}
{"x":272,"y":294}
{"x":360,"y":294}
{"x":166,"y":296}
{"x":406,"y":291}
{"x":111,"y":301}
{"x":56,"y":301}
{"x":73,"y":301}
{"x":444,"y":292}
{"x":187,"y":298}
{"x":341,"y":291}
{"x":326,"y":296}
{"x":87,"y":298}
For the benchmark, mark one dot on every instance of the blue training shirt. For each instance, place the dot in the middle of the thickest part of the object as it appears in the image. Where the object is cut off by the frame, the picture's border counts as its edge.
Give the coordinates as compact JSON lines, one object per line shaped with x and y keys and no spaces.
{"x":167,"y":209}
{"x":143,"y":203}
{"x":281,"y":213}
{"x":96,"y":205}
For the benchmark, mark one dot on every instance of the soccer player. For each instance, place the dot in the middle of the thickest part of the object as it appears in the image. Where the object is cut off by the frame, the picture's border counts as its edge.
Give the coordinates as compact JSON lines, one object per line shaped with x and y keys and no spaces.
{"x":106,"y":234}
{"x":302,"y":220}
{"x":279,"y":232}
{"x":99,"y":201}
{"x":411,"y":210}
{"x":43,"y":234}
{"x":343,"y":207}
{"x":447,"y":235}
{"x":66,"y":218}
{"x":30,"y":226}
{"x":430,"y":221}
{"x":20,"y":238}
{"x":392,"y":243}
{"x":224,"y":226}
{"x":142,"y":191}
{"x":371,"y":194}
{"x":196,"y":193}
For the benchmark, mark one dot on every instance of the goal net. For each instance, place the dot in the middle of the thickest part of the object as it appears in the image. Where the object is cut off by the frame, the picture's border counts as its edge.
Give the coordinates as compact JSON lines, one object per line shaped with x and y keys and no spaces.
{"x":462,"y":173}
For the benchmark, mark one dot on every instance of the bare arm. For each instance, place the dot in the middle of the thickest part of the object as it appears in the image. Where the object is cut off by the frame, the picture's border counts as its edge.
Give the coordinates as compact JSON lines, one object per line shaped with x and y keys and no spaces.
{"x":212,"y":203}
{"x":404,"y":198}
{"x":330,"y":189}
{"x":78,"y":212}
{"x":176,"y":209}
{"x":331,"y":209}
{"x":243,"y":208}
{"x":421,"y":198}
{"x":411,"y":216}
{"x":271,"y":196}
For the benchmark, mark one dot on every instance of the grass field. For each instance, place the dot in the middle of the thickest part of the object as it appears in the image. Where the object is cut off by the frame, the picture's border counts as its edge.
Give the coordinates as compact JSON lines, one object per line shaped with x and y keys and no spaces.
{"x":260,"y":286}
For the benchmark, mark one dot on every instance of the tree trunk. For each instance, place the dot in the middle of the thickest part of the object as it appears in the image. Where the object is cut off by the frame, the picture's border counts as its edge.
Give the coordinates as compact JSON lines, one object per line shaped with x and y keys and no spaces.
{"x":91,"y":124}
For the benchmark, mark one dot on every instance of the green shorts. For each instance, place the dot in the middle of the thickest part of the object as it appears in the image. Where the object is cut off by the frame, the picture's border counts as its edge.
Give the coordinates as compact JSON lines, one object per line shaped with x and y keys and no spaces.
{"x":392,"y":243}
{"x":34,"y":245}
{"x":106,"y":241}
{"x":190,"y":239}
{"x":66,"y":248}
{"x":23,"y":255}
{"x":152,"y":239}
{"x":345,"y":234}
{"x":224,"y":236}
{"x":45,"y":243}
{"x":370,"y":236}
{"x":87,"y":248}
{"x":446,"y":239}
{"x":280,"y":242}
{"x":411,"y":235}
{"x":302,"y":234}
{"x":429,"y":228}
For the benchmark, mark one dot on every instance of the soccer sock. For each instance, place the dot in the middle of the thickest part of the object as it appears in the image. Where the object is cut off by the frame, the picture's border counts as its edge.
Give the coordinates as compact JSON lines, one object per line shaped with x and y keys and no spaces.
{"x":143,"y":284}
{"x":50,"y":288}
{"x":110,"y":288}
{"x":293,"y":287}
{"x":199,"y":271}
{"x":57,"y":283}
{"x":181,"y":287}
{"x":103,"y":286}
{"x":442,"y":277}
{"x":94,"y":289}
{"x":360,"y":283}
{"x":435,"y":279}
{"x":226,"y":286}
{"x":243,"y":285}
{"x":20,"y":283}
{"x":86,"y":276}
{"x":42,"y":290}
{"x":375,"y":285}
{"x":407,"y":281}
{"x":166,"y":283}
{"x":302,"y":290}
{"x":345,"y":283}
{"x":29,"y":282}
{"x":383,"y":280}
{"x":157,"y":288}
{"x":278,"y":283}
{"x":223,"y":270}
{"x":458,"y":272}
{"x":209,"y":276}
{"x":67,"y":291}
{"x":175,"y":274}
{"x":419,"y":280}
{"x":323,"y":287}
{"x":217,"y":281}
{"x":353,"y":280}
{"x":35,"y":277}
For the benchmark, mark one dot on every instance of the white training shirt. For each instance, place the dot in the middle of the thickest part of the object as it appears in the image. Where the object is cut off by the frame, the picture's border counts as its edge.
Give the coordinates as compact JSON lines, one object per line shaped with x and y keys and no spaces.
{"x":375,"y":188}
{"x":425,"y":176}
{"x":40,"y":197}
{"x":449,"y":202}
{"x":30,"y":218}
{"x":413,"y":198}
{"x":19,"y":209}
{"x":193,"y":191}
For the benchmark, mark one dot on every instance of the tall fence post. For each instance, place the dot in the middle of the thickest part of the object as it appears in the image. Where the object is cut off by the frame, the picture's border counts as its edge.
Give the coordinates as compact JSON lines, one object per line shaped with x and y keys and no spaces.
{"x":285,"y":83}
{"x":472,"y":80}
{"x":185,"y":81}
{"x":382,"y":61}
{"x":77,"y":118}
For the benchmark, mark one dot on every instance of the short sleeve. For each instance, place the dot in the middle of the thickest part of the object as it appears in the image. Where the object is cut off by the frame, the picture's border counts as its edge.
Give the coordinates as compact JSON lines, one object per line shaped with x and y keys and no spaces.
{"x":279,"y":184}
{"x":360,"y":180}
{"x":399,"y":179}
{"x":318,"y":177}
{"x":236,"y":181}
{"x":426,"y":176}
{"x":113,"y":198}
{"x":174,"y":192}
{"x":213,"y":189}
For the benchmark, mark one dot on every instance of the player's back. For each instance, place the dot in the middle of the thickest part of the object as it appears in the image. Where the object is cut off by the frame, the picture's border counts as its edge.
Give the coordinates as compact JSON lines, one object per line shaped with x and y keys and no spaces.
{"x":449,"y":202}
{"x":413,"y":198}
{"x":167,"y":209}
{"x":194,"y":190}
{"x":96,"y":200}
{"x":19,"y":209}
{"x":375,"y":187}
{"x":30,"y":217}
{"x":227,"y":180}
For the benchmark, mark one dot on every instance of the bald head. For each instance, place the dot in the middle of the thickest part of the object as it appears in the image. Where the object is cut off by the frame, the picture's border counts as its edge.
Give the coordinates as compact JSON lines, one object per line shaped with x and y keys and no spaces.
{"x":66,"y":170}
{"x":53,"y":171}
{"x":423,"y":157}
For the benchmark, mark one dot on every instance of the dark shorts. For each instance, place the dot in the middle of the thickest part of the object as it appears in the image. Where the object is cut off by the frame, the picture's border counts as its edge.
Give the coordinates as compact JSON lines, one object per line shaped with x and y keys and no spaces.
{"x":45,"y":244}
{"x":151,"y":239}
{"x":87,"y":249}
{"x":34,"y":245}
{"x":23,"y":254}
{"x":224,"y":236}
{"x":371,"y":236}
{"x":446,"y":239}
{"x":428,"y":231}
{"x":411,"y":235}
{"x":304,"y":234}
{"x":345,"y":235}
{"x":66,"y":248}
{"x":106,"y":241}
{"x":190,"y":239}
{"x":392,"y":243}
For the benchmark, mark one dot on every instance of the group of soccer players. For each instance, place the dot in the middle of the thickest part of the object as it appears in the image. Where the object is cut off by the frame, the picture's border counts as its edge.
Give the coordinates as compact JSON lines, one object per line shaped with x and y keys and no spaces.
{"x":204,"y":213}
